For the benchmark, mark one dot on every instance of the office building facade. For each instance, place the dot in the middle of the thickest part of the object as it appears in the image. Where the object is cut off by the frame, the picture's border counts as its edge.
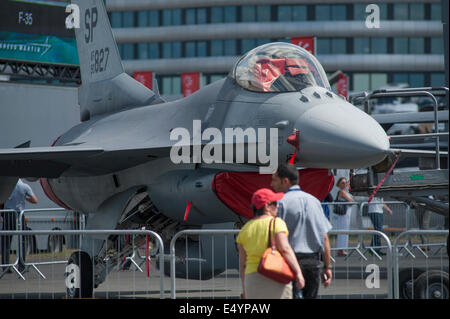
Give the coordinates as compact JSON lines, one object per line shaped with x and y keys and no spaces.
{"x":170,"y":37}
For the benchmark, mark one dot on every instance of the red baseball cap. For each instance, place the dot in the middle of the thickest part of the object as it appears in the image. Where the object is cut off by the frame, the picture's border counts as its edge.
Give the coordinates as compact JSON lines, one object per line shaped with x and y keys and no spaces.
{"x":263,"y":196}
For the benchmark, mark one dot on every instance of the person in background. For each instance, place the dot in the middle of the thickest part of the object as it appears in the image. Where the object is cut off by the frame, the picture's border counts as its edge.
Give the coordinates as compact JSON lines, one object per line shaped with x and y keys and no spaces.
{"x":343,"y":221}
{"x":16,"y":201}
{"x":253,"y":240}
{"x":375,"y":211}
{"x":423,"y":217}
{"x":308,"y":228}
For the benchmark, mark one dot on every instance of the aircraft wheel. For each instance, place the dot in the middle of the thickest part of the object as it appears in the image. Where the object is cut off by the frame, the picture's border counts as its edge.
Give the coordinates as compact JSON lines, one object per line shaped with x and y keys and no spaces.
{"x":406,"y":282}
{"x":55,"y":243}
{"x":432,"y":284}
{"x":79,"y":281}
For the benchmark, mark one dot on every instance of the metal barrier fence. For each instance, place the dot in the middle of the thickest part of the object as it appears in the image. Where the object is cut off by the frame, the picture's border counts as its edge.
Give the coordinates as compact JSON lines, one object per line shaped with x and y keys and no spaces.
{"x":38,"y":219}
{"x":137,"y":285}
{"x":426,"y":276}
{"x":360,"y":276}
{"x":356,"y":276}
{"x":9,"y":219}
{"x":186,"y":259}
{"x":352,"y":279}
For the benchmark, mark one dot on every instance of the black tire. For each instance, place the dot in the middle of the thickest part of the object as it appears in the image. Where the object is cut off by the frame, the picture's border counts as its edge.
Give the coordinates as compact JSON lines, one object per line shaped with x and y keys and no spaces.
{"x":432,"y":284}
{"x":79,"y":280}
{"x":406,"y":281}
{"x":55,"y":243}
{"x":30,"y":245}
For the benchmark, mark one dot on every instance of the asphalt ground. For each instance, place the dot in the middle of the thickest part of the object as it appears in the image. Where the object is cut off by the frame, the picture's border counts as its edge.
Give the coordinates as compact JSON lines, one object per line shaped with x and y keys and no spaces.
{"x":353,"y":279}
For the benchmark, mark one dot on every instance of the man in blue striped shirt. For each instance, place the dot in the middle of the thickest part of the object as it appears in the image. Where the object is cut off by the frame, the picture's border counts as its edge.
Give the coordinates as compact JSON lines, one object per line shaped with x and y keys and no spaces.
{"x":308,"y":228}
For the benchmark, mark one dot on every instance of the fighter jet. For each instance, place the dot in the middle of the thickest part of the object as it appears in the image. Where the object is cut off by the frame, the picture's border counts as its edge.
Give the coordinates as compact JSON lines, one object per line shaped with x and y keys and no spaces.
{"x":138,"y":161}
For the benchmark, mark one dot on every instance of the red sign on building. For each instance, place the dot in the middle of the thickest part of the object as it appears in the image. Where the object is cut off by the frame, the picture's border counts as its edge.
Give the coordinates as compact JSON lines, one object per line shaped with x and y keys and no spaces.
{"x":145,"y":78}
{"x":190,"y":83}
{"x":307,"y":43}
{"x":342,"y":85}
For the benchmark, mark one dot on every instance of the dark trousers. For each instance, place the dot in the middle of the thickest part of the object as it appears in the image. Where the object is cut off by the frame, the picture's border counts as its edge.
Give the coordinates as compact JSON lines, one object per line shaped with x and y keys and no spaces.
{"x":310,"y":266}
{"x":9,"y":223}
{"x":377,"y":221}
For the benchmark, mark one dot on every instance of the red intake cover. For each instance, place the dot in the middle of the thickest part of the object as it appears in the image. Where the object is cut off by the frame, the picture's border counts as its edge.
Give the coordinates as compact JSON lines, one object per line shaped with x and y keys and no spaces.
{"x":235,"y":189}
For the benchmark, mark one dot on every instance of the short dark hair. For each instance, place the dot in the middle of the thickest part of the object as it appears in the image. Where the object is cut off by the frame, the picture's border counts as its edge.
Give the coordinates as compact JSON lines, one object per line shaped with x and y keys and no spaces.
{"x":288,"y":171}
{"x":257,"y":212}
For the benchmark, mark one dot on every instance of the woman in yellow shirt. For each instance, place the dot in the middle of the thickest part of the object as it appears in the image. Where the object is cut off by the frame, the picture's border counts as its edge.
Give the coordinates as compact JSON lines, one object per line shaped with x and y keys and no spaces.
{"x":252,"y":241}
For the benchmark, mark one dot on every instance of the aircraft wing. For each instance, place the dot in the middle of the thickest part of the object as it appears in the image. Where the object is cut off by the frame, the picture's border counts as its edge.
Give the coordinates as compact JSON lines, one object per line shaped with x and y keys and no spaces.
{"x":53,"y":161}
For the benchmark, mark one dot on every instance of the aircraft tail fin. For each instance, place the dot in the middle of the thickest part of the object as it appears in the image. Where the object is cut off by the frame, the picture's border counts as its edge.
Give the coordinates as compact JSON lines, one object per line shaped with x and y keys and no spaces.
{"x":105,"y":86}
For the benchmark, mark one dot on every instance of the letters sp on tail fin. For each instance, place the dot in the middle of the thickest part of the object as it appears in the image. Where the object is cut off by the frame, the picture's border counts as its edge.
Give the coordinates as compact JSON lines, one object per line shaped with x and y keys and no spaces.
{"x":105,"y":88}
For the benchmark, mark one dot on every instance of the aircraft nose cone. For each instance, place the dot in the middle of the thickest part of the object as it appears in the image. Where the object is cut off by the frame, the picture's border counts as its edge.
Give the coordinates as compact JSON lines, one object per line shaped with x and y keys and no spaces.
{"x":339,"y":135}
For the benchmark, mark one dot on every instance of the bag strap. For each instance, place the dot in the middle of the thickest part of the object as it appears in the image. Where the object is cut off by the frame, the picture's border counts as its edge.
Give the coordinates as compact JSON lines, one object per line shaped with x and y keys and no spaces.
{"x":271,"y":241}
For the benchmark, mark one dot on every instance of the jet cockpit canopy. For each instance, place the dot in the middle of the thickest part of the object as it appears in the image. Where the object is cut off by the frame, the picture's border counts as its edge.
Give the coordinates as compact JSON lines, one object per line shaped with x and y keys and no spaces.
{"x":279,"y":67}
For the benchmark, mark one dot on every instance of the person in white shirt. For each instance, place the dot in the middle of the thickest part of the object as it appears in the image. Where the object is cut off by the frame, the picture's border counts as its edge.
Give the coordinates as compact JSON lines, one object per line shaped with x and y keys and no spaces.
{"x":375,"y":210}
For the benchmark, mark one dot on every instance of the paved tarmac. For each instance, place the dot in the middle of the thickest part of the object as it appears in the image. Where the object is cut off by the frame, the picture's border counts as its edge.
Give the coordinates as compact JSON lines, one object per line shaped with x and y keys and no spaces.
{"x":350,"y":281}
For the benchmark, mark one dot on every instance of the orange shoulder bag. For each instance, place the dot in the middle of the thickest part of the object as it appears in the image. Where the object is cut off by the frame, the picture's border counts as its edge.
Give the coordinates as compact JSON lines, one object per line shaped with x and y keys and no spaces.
{"x":272,"y":263}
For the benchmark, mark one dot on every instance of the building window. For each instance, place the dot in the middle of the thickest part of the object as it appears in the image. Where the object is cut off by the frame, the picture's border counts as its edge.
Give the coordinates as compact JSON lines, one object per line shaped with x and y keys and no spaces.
{"x":170,"y":85}
{"x":361,"y":45}
{"x":299,"y":13}
{"x":153,"y":50}
{"x":369,"y":81}
{"x":416,"y":80}
{"x":361,"y":82}
{"x":230,"y":14}
{"x":216,"y":15}
{"x":416,"y":45}
{"x":401,"y":11}
{"x":166,"y":50}
{"x":401,"y":45}
{"x":248,"y":13}
{"x":263,"y":13}
{"x":128,"y":19}
{"x":284,"y":13}
{"x":190,"y":49}
{"x":338,"y":12}
{"x":322,"y":12}
{"x":201,"y":16}
{"x":378,"y":45}
{"x":128,"y":51}
{"x":230,"y":47}
{"x":417,"y":11}
{"x":378,"y":80}
{"x":142,"y":18}
{"x":338,"y":45}
{"x":116,"y":19}
{"x":437,"y":79}
{"x":216,"y":47}
{"x":190,"y":16}
{"x":323,"y":46}
{"x":247,"y":45}
{"x":142,"y":50}
{"x":202,"y":49}
{"x":171,"y":17}
{"x":437,"y":46}
{"x":436,"y":13}
{"x":400,"y":78}
{"x":176,"y":49}
{"x":292,"y":13}
{"x":153,"y":18}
